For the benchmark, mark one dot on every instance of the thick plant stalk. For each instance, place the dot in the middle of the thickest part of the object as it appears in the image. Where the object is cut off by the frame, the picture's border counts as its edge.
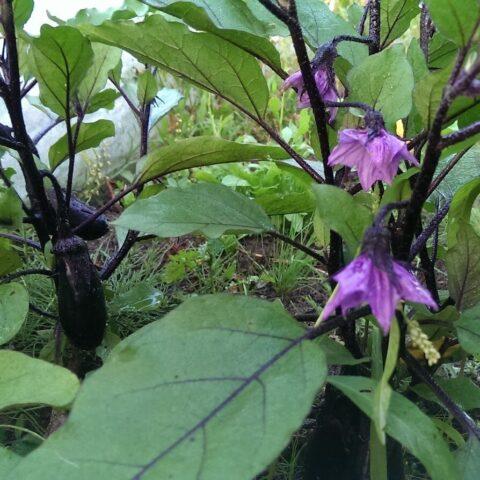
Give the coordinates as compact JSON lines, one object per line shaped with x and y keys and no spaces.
{"x":11,"y":93}
{"x":467,"y":423}
{"x":143,"y":117}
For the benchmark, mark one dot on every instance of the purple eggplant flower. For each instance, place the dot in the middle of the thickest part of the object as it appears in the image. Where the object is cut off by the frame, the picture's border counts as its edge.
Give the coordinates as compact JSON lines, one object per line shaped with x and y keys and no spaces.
{"x":325,"y":82}
{"x":378,"y":280}
{"x":375,"y":154}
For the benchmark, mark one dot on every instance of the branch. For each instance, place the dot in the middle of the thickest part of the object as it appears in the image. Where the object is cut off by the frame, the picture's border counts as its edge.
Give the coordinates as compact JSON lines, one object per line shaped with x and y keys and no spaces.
{"x":428,"y":231}
{"x":374,"y":33}
{"x":43,"y":313}
{"x":28,"y":87}
{"x":123,"y":93}
{"x":41,"y":134}
{"x":318,"y":107}
{"x":460,"y":415}
{"x":448,"y":168}
{"x":277,"y":11}
{"x":21,"y":273}
{"x":294,"y":154}
{"x":24,"y":241}
{"x":312,"y":253}
{"x":114,"y":261}
{"x":362,"y":106}
{"x":460,"y":135}
{"x":386,"y":209}
{"x":363,"y":19}
{"x":13,"y":102}
{"x":132,"y":236}
{"x":351,"y":38}
{"x":432,"y":155}
{"x":426,"y":30}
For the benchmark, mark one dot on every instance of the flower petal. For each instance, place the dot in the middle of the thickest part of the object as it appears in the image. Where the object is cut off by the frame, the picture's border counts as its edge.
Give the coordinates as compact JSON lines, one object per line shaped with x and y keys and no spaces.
{"x":383,"y":298}
{"x":352,"y":286}
{"x":295,"y":81}
{"x":410,"y":288}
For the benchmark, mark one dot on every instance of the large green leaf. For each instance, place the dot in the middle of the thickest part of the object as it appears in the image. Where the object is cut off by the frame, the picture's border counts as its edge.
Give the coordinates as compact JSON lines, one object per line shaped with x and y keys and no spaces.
{"x":202,"y":151}
{"x":22,"y":11}
{"x":468,"y":330}
{"x":105,"y":58}
{"x":201,"y":58}
{"x":204,"y":391}
{"x":463,"y":268}
{"x":62,"y":57}
{"x":9,"y":259}
{"x":320,"y":25}
{"x":336,"y":353}
{"x":89,"y":136}
{"x":454,"y":19}
{"x":468,"y":459}
{"x":207,"y":208}
{"x":406,"y":423}
{"x":13,"y":310}
{"x":428,"y":94}
{"x":461,"y":390}
{"x":396,"y":16}
{"x":384,"y":81}
{"x":464,"y":171}
{"x":8,"y":460}
{"x":29,"y":381}
{"x":461,"y":207}
{"x":231,"y":20}
{"x":341,"y":213}
{"x":11,"y":212}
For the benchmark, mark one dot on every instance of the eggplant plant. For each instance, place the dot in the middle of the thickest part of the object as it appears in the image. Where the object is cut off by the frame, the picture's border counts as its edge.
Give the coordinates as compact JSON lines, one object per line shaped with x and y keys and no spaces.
{"x":217,"y":387}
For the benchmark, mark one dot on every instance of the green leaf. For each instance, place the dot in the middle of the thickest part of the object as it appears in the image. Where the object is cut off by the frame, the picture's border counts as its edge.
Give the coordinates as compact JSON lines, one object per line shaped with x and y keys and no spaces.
{"x":461,"y":209}
{"x":455,"y":20}
{"x":286,"y":203}
{"x":465,"y":171}
{"x":461,"y":390}
{"x":384,"y":81}
{"x":62,"y":57}
{"x":336,"y":353}
{"x":228,"y":19}
{"x":202,"y":151}
{"x":105,"y":58}
{"x":468,"y":460}
{"x":320,"y":25}
{"x":8,"y":460}
{"x":201,"y":58}
{"x":463,"y":268}
{"x":29,"y":381}
{"x":9,"y":258}
{"x":341,"y":213}
{"x":90,"y":136}
{"x":468,"y":330}
{"x":13,"y":310}
{"x":22,"y":11}
{"x":206,"y":208}
{"x":105,"y":99}
{"x":400,"y":188}
{"x":203,"y":391}
{"x":406,"y":423}
{"x":395,"y":19}
{"x":147,"y":88}
{"x":441,"y":52}
{"x":428,"y":94}
{"x":139,"y":298}
{"x":11,"y":212}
